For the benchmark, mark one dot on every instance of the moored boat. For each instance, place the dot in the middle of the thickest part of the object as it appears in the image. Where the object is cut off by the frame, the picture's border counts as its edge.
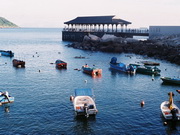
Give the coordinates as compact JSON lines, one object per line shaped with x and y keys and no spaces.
{"x":91,"y":70}
{"x":60,"y":64}
{"x":5,"y":98}
{"x":169,"y":110}
{"x":7,"y":53}
{"x":121,"y":66}
{"x":83,"y":102}
{"x":148,"y":70}
{"x":171,"y":80}
{"x":150,"y":63}
{"x":18,"y":63}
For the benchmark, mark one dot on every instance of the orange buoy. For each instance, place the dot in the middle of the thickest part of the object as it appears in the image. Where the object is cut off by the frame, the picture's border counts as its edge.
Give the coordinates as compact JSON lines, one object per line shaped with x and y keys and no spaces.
{"x":142,"y":103}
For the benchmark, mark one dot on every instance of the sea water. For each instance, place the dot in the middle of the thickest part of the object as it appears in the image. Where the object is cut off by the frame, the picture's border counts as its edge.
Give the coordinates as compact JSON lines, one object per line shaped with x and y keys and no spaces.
{"x":42,"y":92}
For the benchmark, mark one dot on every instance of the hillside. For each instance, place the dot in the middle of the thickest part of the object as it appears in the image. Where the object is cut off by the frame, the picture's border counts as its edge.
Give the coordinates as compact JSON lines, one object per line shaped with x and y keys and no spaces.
{"x":4,"y":23}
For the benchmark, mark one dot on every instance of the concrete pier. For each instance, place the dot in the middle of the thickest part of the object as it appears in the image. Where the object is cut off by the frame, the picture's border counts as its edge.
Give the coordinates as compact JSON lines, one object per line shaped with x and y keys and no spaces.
{"x":78,"y":36}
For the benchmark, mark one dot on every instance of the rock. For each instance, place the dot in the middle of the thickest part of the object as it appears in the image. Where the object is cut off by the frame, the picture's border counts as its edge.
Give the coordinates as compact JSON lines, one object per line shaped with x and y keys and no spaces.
{"x":164,"y":48}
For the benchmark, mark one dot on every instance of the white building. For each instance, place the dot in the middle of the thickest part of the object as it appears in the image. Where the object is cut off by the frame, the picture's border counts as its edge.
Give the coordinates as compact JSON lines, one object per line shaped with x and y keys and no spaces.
{"x":157,"y":31}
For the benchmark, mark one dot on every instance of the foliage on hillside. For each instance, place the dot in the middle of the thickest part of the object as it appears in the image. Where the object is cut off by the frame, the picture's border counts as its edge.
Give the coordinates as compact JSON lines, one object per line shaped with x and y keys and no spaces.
{"x":4,"y":23}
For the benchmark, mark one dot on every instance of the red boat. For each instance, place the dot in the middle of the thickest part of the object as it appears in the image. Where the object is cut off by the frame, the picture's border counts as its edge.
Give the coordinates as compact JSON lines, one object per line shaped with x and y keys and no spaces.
{"x":18,"y":63}
{"x":60,"y":64}
{"x":91,"y":70}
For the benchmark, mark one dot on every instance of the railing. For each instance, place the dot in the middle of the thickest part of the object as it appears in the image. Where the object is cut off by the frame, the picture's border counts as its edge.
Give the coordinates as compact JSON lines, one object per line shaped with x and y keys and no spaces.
{"x":109,"y":30}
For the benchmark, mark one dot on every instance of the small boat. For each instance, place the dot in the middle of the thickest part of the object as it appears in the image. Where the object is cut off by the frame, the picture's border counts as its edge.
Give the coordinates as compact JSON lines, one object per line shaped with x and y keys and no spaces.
{"x":121,"y":66}
{"x":84,"y":102}
{"x":169,"y":110}
{"x":148,"y":70}
{"x":171,"y":80}
{"x":7,"y":53}
{"x":60,"y":64}
{"x":150,"y":63}
{"x":91,"y":70}
{"x":178,"y":91}
{"x":5,"y":98}
{"x":18,"y":63}
{"x":79,"y":57}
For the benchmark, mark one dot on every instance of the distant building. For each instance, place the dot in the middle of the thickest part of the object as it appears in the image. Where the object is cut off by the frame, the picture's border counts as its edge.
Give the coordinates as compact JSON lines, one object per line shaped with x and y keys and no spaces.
{"x":76,"y":29}
{"x":157,"y":31}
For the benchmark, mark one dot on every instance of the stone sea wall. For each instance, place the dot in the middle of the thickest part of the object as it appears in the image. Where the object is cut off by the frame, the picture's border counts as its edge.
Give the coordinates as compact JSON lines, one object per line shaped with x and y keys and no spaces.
{"x":164,"y":48}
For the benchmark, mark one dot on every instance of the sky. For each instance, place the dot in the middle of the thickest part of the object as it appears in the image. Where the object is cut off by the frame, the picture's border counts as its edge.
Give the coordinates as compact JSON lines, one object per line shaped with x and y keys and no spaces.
{"x":53,"y":13}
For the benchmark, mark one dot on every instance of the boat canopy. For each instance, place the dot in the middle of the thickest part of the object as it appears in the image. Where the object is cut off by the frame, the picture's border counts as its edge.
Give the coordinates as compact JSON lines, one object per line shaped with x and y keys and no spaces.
{"x":83,"y":92}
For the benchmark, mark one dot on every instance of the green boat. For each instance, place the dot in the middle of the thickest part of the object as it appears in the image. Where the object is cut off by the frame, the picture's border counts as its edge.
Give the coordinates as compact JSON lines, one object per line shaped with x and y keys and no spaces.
{"x":171,"y":80}
{"x":148,"y":70}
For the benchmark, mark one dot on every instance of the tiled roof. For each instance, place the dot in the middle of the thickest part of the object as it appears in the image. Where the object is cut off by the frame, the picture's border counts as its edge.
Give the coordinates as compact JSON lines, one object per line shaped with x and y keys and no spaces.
{"x":97,"y":20}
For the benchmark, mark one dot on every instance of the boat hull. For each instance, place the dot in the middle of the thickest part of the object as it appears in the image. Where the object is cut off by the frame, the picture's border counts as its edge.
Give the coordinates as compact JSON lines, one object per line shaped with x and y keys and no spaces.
{"x":4,"y":100}
{"x":171,"y":80}
{"x":92,"y":71}
{"x":148,"y":71}
{"x":7,"y":53}
{"x":79,"y":107}
{"x":61,"y":64}
{"x":167,"y":112}
{"x":18,"y":63}
{"x":121,"y":67}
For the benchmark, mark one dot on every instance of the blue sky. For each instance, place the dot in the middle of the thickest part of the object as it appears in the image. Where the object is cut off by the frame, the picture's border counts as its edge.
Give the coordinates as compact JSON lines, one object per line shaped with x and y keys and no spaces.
{"x":53,"y":13}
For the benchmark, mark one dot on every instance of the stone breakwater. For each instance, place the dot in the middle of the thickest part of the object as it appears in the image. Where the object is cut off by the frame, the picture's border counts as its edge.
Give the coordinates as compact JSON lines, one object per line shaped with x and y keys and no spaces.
{"x":164,"y":48}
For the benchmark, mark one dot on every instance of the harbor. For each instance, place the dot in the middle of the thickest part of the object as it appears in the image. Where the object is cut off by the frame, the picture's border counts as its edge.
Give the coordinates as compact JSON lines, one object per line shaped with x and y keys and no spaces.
{"x":41,"y":91}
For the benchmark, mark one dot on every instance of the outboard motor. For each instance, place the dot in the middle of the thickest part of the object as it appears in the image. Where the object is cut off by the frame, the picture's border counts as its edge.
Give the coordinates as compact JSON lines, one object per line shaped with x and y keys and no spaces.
{"x":86,"y":110}
{"x":6,"y":95}
{"x":174,"y":116}
{"x":113,"y":60}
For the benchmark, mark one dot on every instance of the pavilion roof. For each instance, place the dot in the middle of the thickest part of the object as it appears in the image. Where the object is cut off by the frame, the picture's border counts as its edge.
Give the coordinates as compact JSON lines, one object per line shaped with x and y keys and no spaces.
{"x":97,"y":20}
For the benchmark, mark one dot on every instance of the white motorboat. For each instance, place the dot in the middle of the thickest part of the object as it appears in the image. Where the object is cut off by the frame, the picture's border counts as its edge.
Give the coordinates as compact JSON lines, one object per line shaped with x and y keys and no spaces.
{"x":84,"y":104}
{"x":5,"y":98}
{"x":169,"y":110}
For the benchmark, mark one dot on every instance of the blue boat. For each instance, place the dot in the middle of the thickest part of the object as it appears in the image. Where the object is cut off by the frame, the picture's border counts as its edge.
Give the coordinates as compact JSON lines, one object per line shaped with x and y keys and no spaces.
{"x":121,"y":66}
{"x":5,"y":98}
{"x":7,"y":53}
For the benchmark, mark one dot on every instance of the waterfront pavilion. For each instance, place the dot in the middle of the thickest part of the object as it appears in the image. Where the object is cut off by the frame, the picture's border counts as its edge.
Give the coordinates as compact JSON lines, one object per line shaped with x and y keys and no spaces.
{"x":97,"y":24}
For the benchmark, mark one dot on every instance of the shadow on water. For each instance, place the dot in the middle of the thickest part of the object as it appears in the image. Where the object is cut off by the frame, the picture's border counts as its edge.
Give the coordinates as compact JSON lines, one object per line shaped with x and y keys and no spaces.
{"x":83,"y":125}
{"x":115,"y":72}
{"x":172,"y":127}
{"x":169,"y":84}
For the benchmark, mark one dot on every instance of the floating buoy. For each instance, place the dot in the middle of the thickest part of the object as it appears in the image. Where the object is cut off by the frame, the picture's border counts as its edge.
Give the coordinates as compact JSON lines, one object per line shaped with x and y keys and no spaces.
{"x":142,"y":103}
{"x":85,"y":81}
{"x":39,"y":70}
{"x":165,"y":123}
{"x":71,"y":98}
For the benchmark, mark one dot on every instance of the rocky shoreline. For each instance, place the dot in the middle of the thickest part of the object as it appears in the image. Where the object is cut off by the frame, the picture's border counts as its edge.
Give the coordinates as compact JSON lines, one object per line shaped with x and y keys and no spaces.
{"x":163,"y":48}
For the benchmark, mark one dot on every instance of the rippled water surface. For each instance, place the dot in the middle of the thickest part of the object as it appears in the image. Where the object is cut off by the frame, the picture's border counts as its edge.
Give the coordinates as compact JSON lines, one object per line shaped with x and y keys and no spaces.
{"x":42,"y":92}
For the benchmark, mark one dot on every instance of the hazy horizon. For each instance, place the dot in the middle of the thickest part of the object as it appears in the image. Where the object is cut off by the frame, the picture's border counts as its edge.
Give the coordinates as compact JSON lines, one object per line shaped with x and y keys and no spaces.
{"x":53,"y":13}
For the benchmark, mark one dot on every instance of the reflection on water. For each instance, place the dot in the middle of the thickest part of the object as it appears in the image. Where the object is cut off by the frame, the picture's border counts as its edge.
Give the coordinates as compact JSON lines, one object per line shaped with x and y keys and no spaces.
{"x":83,"y":125}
